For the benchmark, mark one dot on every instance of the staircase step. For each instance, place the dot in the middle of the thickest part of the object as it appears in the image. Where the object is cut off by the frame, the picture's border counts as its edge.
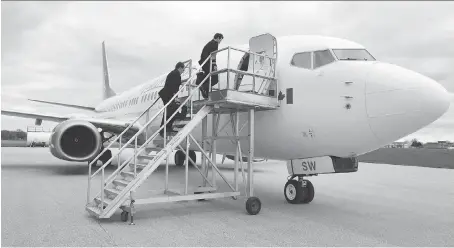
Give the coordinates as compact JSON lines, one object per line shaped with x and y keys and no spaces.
{"x":107,"y":201}
{"x":179,"y":125}
{"x":94,"y":211}
{"x":120,"y":182}
{"x":151,"y":148}
{"x":149,"y":157}
{"x":187,"y":118}
{"x":113,"y":191}
{"x":139,"y":165}
{"x":127,"y":174}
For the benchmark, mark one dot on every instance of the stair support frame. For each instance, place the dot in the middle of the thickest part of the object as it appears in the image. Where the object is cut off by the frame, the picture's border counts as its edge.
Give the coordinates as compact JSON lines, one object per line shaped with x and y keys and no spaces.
{"x":206,"y":161}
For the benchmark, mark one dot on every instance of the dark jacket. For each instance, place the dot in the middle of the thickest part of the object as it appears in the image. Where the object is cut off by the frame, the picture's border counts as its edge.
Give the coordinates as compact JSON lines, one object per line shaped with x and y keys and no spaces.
{"x":172,"y":85}
{"x":207,"y":49}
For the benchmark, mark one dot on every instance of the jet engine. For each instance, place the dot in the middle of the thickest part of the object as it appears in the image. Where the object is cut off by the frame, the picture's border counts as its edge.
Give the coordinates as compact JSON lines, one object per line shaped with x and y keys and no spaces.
{"x":75,"y":140}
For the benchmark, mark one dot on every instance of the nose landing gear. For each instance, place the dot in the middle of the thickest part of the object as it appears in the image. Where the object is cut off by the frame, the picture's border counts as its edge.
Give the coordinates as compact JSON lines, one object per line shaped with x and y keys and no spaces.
{"x":299,"y":191}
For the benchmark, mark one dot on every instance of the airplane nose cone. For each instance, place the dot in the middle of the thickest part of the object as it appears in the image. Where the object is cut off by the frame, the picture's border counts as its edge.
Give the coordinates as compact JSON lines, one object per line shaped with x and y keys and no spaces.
{"x":400,"y":102}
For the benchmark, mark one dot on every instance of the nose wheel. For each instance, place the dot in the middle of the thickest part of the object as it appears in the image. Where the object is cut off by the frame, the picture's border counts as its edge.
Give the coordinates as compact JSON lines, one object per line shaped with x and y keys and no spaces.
{"x":299,"y":191}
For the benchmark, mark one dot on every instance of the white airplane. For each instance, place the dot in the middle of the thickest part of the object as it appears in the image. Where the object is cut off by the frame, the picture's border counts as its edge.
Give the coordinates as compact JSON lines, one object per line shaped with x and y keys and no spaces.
{"x":340,"y":102}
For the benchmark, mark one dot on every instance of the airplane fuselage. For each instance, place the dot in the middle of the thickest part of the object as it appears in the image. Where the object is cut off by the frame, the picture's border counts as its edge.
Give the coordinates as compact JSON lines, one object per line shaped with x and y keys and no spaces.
{"x":343,"y":108}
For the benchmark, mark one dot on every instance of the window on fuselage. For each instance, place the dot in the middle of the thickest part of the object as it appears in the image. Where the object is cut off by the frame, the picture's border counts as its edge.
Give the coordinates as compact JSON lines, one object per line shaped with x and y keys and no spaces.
{"x":322,"y":58}
{"x":302,"y":60}
{"x":353,"y":54}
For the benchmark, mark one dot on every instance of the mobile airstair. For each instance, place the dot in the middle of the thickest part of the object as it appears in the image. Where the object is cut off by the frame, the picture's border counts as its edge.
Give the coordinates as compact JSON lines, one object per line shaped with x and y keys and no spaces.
{"x":256,"y":90}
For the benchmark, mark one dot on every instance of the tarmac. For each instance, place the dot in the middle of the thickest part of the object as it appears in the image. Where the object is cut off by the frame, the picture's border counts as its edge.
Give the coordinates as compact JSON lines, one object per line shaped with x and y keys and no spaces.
{"x":43,"y":204}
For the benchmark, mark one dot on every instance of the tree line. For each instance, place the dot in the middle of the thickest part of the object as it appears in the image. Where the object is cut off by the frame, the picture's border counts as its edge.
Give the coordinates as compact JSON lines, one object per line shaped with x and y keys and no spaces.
{"x":14,"y":135}
{"x":416,"y":143}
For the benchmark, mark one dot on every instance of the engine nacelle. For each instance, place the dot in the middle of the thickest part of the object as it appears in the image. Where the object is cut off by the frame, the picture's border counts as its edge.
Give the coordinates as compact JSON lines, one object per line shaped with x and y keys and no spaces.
{"x":75,"y":140}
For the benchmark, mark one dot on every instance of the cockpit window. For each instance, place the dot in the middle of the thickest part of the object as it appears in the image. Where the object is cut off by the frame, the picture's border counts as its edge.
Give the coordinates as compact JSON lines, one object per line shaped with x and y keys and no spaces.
{"x":302,"y":60}
{"x":353,"y":54}
{"x":322,"y":58}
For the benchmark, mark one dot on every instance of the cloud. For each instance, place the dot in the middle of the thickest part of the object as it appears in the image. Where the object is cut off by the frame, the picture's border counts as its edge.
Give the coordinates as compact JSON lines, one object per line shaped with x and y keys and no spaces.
{"x":52,"y":50}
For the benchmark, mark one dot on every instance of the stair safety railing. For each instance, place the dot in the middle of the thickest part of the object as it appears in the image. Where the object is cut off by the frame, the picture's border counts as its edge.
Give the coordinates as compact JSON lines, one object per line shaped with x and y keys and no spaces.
{"x":252,"y":55}
{"x":135,"y":136}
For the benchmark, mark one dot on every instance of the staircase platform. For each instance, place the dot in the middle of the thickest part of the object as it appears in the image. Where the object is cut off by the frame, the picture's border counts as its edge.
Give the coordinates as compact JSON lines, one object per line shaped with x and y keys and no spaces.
{"x":226,"y":100}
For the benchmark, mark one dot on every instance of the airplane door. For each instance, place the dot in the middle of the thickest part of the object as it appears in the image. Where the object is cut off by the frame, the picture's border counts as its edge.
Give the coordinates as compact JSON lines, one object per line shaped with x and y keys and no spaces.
{"x":265,"y":44}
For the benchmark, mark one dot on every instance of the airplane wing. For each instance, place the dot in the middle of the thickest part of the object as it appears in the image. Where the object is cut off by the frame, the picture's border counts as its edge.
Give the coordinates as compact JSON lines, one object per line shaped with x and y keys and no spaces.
{"x":113,"y":126}
{"x":64,"y":104}
{"x":34,"y":116}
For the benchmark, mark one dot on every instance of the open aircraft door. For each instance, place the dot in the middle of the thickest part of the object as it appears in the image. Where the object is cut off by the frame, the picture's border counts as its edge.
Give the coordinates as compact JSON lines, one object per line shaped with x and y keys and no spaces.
{"x":264,"y":44}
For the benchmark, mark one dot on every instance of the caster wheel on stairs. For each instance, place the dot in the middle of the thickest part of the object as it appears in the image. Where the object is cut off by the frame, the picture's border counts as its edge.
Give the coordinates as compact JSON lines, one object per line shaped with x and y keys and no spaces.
{"x":124,"y":216}
{"x":253,"y":205}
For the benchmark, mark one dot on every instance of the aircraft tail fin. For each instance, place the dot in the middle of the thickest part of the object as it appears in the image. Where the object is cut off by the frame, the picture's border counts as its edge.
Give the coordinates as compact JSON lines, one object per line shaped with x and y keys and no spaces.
{"x":107,"y":91}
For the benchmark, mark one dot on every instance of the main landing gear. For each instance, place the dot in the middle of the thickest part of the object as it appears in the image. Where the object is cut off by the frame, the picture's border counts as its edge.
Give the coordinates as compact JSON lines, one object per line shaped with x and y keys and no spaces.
{"x":299,"y":191}
{"x":180,"y":157}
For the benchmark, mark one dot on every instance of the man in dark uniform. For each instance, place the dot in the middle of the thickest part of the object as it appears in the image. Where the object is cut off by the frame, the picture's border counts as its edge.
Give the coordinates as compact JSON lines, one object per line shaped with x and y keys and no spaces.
{"x":171,"y":87}
{"x":210,"y":47}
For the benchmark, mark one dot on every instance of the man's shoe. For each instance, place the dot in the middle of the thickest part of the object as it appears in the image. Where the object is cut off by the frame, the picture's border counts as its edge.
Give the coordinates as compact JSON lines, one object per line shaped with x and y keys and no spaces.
{"x":204,"y":93}
{"x":168,"y":133}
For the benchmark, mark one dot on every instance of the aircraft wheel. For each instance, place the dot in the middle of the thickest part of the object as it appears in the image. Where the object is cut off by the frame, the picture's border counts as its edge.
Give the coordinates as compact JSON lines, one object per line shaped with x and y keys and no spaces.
{"x":106,"y":156}
{"x":253,"y":205}
{"x":308,"y":192}
{"x":293,"y":192}
{"x":179,"y":158}
{"x":124,"y":216}
{"x":193,"y":156}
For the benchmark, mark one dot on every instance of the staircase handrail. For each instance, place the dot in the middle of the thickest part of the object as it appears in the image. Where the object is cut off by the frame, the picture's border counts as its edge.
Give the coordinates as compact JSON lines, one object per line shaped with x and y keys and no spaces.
{"x":126,"y":129}
{"x":90,"y":177}
{"x":114,"y":174}
{"x":154,"y":135}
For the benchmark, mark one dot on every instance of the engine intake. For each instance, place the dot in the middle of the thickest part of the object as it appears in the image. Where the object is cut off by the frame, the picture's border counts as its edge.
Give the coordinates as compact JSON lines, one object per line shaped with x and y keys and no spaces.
{"x":75,"y":140}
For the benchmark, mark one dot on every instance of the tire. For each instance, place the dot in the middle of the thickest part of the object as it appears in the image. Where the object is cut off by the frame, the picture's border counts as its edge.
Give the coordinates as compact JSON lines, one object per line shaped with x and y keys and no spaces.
{"x":193,"y":156}
{"x":179,"y":158}
{"x":106,"y":156}
{"x":253,"y":205}
{"x":293,"y":192}
{"x":124,"y":216}
{"x":308,"y":192}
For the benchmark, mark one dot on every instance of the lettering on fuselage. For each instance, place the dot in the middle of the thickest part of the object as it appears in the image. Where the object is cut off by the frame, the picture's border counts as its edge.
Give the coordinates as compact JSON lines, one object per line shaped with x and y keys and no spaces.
{"x":308,"y":134}
{"x":309,"y":165}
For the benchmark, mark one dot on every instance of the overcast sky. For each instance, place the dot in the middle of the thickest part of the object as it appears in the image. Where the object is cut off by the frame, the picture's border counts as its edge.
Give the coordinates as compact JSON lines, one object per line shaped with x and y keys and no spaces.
{"x":52,"y":50}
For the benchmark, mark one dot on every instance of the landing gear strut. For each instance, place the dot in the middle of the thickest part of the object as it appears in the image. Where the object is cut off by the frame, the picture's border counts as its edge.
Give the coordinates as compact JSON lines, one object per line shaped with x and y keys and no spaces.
{"x":180,"y":158}
{"x":299,"y":191}
{"x":104,"y":158}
